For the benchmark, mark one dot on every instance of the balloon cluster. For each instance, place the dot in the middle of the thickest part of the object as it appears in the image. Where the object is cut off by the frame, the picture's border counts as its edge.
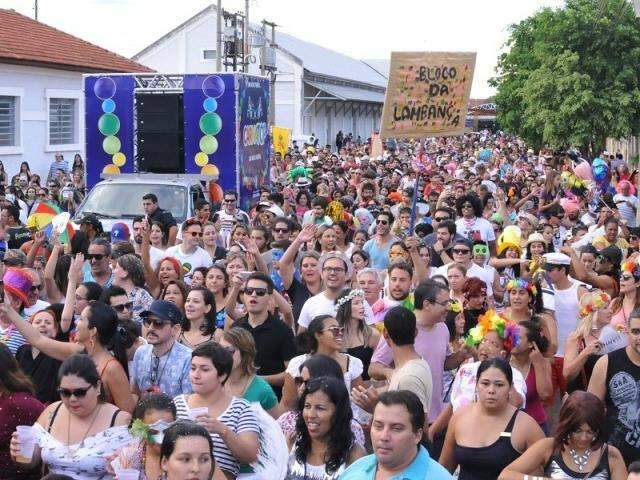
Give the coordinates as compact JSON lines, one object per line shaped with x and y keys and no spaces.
{"x":601,"y":174}
{"x":109,"y":124}
{"x":210,"y":124}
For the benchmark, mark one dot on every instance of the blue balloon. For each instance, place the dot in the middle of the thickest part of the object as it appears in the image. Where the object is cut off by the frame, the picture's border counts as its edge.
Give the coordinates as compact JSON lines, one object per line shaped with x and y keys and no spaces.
{"x":210,"y":104}
{"x":213,"y":86}
{"x":108,"y":106}
{"x":104,"y":88}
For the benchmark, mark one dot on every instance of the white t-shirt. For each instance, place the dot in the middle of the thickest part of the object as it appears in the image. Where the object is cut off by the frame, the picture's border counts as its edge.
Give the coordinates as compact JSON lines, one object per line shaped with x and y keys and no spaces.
{"x":321,"y":305}
{"x":481,"y":229}
{"x":199,"y":258}
{"x":473,"y":272}
{"x":36,"y":307}
{"x":155,"y":255}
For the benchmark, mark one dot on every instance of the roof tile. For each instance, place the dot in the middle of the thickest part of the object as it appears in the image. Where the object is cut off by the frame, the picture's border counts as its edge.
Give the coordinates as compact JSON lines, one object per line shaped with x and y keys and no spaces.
{"x":23,"y":39}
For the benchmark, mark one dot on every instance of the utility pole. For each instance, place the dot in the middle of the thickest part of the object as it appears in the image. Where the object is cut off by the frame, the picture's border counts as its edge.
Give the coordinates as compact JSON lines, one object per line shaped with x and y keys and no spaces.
{"x":245,"y":38}
{"x":219,"y":47}
{"x":35,"y":7}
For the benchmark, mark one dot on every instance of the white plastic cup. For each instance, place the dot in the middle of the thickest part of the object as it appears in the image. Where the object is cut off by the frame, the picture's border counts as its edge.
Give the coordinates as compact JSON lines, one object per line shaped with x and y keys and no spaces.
{"x":128,"y":474}
{"x":196,"y":412}
{"x":27,"y":438}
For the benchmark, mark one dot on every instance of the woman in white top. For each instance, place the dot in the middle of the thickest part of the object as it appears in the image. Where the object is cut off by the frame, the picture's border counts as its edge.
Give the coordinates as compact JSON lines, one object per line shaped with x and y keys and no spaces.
{"x":74,"y":436}
{"x":323,"y":444}
{"x":324,"y":336}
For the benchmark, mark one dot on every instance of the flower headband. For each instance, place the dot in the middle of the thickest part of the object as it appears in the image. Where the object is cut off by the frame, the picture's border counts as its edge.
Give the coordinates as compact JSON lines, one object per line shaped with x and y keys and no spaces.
{"x":516,"y":283}
{"x":352,"y":294}
{"x":598,"y":301}
{"x":491,"y":321}
{"x":632,"y":267}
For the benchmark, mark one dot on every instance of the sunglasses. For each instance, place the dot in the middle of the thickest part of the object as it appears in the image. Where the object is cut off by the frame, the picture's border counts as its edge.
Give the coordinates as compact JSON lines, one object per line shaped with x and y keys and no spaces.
{"x":123,"y":306}
{"x":281,"y":230}
{"x":382,"y":222}
{"x":229,"y":200}
{"x":78,"y":392}
{"x":35,"y":288}
{"x":441,"y":219}
{"x":259,"y":291}
{"x":95,"y":256}
{"x":480,"y":250}
{"x":299,"y":381}
{"x":147,"y":322}
{"x":461,"y":251}
{"x":335,"y":331}
{"x":195,"y":234}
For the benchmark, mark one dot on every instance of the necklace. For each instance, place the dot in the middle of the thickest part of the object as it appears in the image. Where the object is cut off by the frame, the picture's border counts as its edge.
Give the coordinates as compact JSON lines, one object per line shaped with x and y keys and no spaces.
{"x":73,"y":450}
{"x":580,"y":460}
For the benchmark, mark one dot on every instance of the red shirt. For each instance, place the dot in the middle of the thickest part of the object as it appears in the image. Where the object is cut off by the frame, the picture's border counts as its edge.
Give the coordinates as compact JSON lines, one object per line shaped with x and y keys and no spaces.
{"x":19,"y":408}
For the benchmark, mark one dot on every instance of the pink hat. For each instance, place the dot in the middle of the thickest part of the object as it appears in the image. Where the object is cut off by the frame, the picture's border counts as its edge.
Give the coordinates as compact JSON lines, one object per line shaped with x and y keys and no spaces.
{"x":569,"y":205}
{"x":632,"y":190}
{"x":17,"y":282}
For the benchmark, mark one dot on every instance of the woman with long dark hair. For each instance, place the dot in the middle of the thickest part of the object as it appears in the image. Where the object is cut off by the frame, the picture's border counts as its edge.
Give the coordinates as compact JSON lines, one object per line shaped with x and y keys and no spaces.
{"x":75,"y":436}
{"x":217,"y":282}
{"x":359,"y":338}
{"x":323,"y":444}
{"x":98,"y":335}
{"x":487,"y":435}
{"x":199,"y":324}
{"x":18,"y":406}
{"x":578,"y":449}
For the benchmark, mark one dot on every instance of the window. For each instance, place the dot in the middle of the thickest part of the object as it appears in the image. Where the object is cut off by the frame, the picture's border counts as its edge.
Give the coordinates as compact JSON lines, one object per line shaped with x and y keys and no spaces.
{"x":62,"y":121}
{"x":7,"y":121}
{"x":208,"y":54}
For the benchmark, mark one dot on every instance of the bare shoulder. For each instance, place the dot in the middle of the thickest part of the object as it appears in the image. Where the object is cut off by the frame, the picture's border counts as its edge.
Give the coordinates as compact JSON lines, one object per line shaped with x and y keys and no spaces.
{"x":112,"y":413}
{"x":46,"y":416}
{"x":614,"y":453}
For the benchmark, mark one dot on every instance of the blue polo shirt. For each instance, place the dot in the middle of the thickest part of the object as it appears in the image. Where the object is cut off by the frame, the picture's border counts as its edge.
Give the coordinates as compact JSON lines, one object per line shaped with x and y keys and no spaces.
{"x":422,"y":467}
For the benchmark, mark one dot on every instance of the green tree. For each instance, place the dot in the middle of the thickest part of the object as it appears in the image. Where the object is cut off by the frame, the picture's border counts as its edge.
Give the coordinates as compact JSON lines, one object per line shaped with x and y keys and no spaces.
{"x":571,"y":76}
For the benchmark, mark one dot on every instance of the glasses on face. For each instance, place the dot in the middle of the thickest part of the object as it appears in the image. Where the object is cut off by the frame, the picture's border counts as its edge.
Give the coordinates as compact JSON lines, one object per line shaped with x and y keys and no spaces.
{"x":77,"y":392}
{"x":95,"y":256}
{"x":281,"y":230}
{"x":382,"y":222}
{"x":480,"y":250}
{"x":35,"y":288}
{"x":123,"y":306}
{"x":446,"y":303}
{"x":461,"y":251}
{"x":229,"y":200}
{"x":195,"y":234}
{"x":299,"y":381}
{"x":157,"y":323}
{"x":335,"y":331}
{"x":441,"y":219}
{"x":333,"y":269}
{"x":259,"y":291}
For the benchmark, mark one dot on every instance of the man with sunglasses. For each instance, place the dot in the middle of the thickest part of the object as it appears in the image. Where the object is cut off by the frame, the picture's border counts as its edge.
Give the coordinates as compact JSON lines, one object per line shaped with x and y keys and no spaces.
{"x":98,"y":257}
{"x":117,"y":298}
{"x":378,"y":247}
{"x":273,"y":338}
{"x":189,"y":253}
{"x":154,"y":213}
{"x":616,"y":381}
{"x":163,"y":364}
{"x":34,"y":303}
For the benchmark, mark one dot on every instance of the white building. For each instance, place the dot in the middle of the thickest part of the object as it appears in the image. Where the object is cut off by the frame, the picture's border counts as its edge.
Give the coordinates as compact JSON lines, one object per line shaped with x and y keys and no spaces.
{"x":317,"y":90}
{"x":41,"y":98}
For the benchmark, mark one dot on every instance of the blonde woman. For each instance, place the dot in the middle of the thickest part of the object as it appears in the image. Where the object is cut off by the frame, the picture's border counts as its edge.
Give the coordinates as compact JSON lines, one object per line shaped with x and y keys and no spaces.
{"x":583,"y":345}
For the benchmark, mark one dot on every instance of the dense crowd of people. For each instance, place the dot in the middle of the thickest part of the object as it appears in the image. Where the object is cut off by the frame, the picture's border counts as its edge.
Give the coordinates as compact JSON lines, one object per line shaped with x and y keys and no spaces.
{"x":453,"y":306}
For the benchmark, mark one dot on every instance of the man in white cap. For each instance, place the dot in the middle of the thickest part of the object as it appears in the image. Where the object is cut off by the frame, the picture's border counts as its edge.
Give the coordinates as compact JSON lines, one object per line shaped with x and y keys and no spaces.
{"x":567,"y":293}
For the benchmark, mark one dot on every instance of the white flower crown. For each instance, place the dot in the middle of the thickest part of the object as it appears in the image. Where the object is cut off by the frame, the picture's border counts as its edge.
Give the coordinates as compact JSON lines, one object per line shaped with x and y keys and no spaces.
{"x":352,"y":294}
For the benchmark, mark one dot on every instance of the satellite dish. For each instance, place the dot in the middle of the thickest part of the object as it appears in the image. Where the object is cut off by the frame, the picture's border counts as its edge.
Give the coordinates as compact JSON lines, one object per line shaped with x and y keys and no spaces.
{"x":60,"y":221}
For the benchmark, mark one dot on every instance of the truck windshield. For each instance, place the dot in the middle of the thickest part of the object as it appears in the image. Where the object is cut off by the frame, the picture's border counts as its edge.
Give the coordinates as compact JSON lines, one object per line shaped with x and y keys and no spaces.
{"x":124,"y":200}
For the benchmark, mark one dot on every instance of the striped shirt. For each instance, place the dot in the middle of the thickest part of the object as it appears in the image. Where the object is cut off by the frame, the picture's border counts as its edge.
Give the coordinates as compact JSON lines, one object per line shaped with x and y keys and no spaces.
{"x":12,"y":338}
{"x":238,"y":416}
{"x":55,"y":166}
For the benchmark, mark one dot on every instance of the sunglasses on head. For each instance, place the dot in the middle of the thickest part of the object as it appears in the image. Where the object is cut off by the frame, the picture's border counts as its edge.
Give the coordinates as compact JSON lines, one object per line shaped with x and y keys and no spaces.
{"x":123,"y":306}
{"x":77,"y":392}
{"x":95,"y":256}
{"x":259,"y":291}
{"x":157,"y":323}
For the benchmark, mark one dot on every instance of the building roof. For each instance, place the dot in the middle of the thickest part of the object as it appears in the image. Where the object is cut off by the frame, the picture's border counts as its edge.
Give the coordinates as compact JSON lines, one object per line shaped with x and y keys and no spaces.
{"x":24,"y":40}
{"x":379,"y":65}
{"x":314,"y":58}
{"x":343,"y":92}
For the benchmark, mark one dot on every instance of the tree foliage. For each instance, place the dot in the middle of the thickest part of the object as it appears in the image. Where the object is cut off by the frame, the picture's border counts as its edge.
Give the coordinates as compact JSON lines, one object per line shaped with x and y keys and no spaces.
{"x":571,"y":76}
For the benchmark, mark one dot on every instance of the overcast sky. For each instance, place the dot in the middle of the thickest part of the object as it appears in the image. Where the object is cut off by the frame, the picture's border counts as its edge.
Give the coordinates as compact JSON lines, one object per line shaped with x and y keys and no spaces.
{"x":360,"y":28}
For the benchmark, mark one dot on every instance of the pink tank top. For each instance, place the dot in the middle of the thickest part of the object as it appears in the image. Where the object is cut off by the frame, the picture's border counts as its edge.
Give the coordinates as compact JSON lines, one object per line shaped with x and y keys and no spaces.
{"x":535,"y":407}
